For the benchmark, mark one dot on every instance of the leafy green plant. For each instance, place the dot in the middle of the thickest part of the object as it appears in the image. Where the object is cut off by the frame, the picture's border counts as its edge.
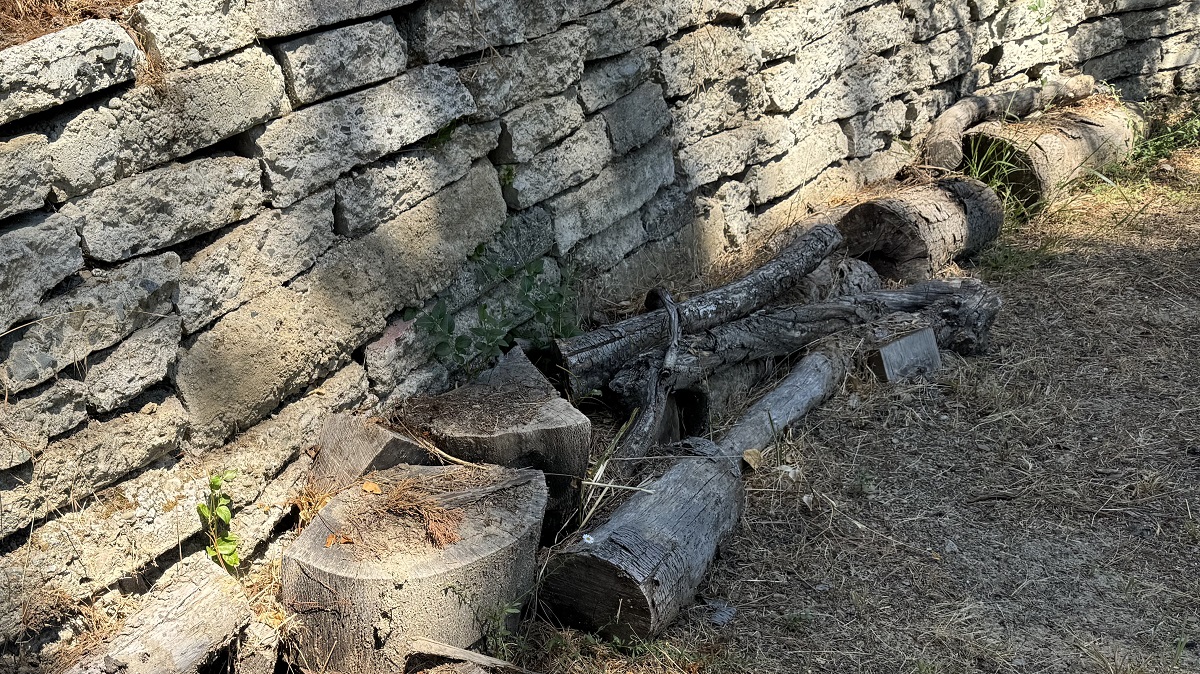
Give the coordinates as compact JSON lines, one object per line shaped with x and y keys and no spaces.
{"x":215,"y":517}
{"x":438,"y":323}
{"x":553,"y":306}
{"x":491,"y":336}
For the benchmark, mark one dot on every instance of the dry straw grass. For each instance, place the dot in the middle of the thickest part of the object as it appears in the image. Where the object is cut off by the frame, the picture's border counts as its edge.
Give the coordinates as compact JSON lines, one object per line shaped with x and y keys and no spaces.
{"x":24,"y":20}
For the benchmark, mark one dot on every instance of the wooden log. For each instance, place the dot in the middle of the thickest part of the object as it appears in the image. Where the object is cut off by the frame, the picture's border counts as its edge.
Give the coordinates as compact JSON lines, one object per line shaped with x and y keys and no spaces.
{"x":910,"y":235}
{"x":1037,"y":159}
{"x":906,"y":357}
{"x":589,"y":360}
{"x":943,"y":145}
{"x":351,"y":446}
{"x":374,"y":572}
{"x":512,"y":416}
{"x":833,"y":278}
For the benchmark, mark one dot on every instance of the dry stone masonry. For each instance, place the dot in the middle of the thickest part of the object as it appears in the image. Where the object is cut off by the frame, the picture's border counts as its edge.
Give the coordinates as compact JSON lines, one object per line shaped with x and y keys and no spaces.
{"x":217,"y":216}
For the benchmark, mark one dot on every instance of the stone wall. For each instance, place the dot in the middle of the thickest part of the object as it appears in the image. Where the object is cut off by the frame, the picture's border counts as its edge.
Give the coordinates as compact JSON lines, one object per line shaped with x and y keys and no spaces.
{"x":214,"y":214}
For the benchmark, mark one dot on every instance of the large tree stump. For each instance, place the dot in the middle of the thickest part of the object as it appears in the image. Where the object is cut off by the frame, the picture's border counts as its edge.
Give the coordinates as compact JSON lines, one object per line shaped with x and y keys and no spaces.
{"x":511,"y":416}
{"x":1037,"y":159}
{"x":943,"y":144}
{"x":440,"y":554}
{"x":351,"y":446}
{"x":910,"y":235}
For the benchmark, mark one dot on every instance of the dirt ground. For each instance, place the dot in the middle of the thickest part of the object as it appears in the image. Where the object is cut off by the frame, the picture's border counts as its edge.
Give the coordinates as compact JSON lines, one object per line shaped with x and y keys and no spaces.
{"x":1034,"y":509}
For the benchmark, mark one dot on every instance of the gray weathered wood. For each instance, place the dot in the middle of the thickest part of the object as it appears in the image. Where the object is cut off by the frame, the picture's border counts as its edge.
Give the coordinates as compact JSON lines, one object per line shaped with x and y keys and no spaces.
{"x":351,"y":446}
{"x":906,"y":356}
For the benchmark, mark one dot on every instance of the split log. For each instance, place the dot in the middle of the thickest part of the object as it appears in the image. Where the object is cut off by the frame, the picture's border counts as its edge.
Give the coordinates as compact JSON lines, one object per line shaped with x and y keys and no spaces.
{"x":351,"y":446}
{"x":910,"y":235}
{"x":193,"y":612}
{"x":589,"y":360}
{"x":943,"y":146}
{"x":511,"y":416}
{"x":439,"y":554}
{"x":1038,"y":158}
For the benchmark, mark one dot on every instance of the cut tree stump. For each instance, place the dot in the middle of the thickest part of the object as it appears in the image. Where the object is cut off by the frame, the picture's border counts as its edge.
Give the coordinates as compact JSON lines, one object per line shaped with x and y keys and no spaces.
{"x":368,"y":583}
{"x":512,"y":416}
{"x":193,"y":612}
{"x":589,"y":360}
{"x":910,"y":235}
{"x":351,"y":446}
{"x":943,"y":144}
{"x":1037,"y":159}
{"x":906,"y":357}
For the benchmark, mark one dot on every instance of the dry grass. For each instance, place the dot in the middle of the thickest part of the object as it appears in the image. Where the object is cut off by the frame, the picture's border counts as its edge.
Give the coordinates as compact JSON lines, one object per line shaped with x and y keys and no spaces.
{"x":24,"y":20}
{"x":411,"y":499}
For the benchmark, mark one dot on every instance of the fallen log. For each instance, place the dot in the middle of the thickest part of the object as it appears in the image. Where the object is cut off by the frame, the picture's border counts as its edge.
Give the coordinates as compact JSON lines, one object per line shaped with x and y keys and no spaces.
{"x":589,"y":360}
{"x":1035,"y":160}
{"x":910,"y":235}
{"x":419,"y":552}
{"x":943,"y":145}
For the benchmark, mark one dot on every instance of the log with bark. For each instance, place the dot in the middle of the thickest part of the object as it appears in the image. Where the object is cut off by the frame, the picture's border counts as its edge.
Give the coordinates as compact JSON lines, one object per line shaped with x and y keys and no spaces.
{"x":589,"y":360}
{"x":911,"y":234}
{"x":1038,"y":158}
{"x":943,"y":145}
{"x":417,"y":553}
{"x":351,"y":446}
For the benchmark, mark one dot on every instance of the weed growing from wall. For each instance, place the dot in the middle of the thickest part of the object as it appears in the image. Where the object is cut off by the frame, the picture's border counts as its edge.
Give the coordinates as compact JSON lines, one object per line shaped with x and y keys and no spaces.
{"x":215,"y":517}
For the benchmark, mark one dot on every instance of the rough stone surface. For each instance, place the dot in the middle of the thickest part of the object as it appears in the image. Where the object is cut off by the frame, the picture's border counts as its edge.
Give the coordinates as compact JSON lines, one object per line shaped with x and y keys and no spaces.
{"x":160,"y":208}
{"x":1139,"y":59}
{"x":142,"y":128}
{"x":136,"y":364}
{"x":632,"y":24}
{"x":442,"y":29}
{"x":1092,"y":39}
{"x":720,"y":107}
{"x":727,"y":153}
{"x":672,"y":209}
{"x":709,"y":54}
{"x":934,"y":18}
{"x":253,"y":258}
{"x":38,"y":253}
{"x":62,"y":66}
{"x":26,"y":174}
{"x":323,"y":64}
{"x":859,"y":88}
{"x":186,"y":32}
{"x":821,"y":147}
{"x":603,"y":82}
{"x":579,"y":157}
{"x":1021,"y":55}
{"x":535,"y":126}
{"x":636,"y":118}
{"x":784,"y":31}
{"x":276,"y":18}
{"x":105,"y":309}
{"x":524,"y":73}
{"x":376,"y":192}
{"x":60,"y":407}
{"x":1161,"y":22}
{"x":790,"y":82}
{"x":603,"y":250}
{"x":312,"y":147}
{"x":872,"y":131}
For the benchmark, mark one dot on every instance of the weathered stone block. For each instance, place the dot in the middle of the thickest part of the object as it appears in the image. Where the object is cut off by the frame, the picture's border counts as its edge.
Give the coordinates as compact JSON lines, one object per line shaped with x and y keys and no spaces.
{"x":603,"y":82}
{"x":105,"y":309}
{"x":1180,"y":50}
{"x":52,"y":411}
{"x":579,"y":157}
{"x":873,"y":130}
{"x":377,"y":192}
{"x":729,"y":215}
{"x":276,"y":18}
{"x":603,"y":250}
{"x":632,"y":24}
{"x":708,"y":54}
{"x":876,"y":29}
{"x":727,"y":153}
{"x":254,"y":258}
{"x":1138,"y":59}
{"x":788,"y":83}
{"x":535,"y":126}
{"x":722,"y":106}
{"x":1092,"y":39}
{"x":35,"y":255}
{"x":312,"y":147}
{"x":784,"y":31}
{"x":443,"y":29}
{"x":524,"y":73}
{"x":860,"y":87}
{"x":925,"y":108}
{"x":619,"y":190}
{"x":142,"y":128}
{"x":160,"y":208}
{"x":136,"y":364}
{"x":26,"y":174}
{"x":323,"y":64}
{"x":819,"y":148}
{"x":672,"y":209}
{"x":636,"y":118}
{"x":1161,"y":22}
{"x":64,"y":65}
{"x":186,"y":32}
{"x":934,"y":18}
{"x":1145,"y":87}
{"x":950,"y":55}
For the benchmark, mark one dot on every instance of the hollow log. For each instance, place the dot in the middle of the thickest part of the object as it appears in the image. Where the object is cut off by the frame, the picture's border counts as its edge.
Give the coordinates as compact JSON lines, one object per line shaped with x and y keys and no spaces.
{"x":439,"y":554}
{"x":943,"y":146}
{"x":589,"y":360}
{"x":1037,"y":159}
{"x":910,"y":235}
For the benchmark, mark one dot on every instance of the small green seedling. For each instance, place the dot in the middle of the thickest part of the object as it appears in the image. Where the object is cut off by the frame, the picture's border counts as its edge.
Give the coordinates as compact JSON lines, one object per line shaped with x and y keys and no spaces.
{"x":215,"y":516}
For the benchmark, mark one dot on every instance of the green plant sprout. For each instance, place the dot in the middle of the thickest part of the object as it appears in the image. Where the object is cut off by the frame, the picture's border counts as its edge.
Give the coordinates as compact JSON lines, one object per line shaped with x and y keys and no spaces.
{"x":215,"y":517}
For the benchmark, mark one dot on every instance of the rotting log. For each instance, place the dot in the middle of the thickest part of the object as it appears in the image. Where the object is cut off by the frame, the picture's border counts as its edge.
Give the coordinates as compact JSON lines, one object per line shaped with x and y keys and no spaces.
{"x":1037,"y":159}
{"x":833,"y":278}
{"x":440,"y":554}
{"x":589,"y":360}
{"x":943,"y":144}
{"x":911,"y":234}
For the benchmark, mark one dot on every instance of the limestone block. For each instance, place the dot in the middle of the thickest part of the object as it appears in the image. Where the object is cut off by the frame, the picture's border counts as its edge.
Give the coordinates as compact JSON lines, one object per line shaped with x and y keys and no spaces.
{"x":834,"y":182}
{"x":882,"y":166}
{"x":374,"y":193}
{"x":729,"y":214}
{"x":35,"y":254}
{"x":323,"y":64}
{"x":727,"y":153}
{"x":524,"y":73}
{"x":579,"y":157}
{"x":143,"y":128}
{"x":605,"y":249}
{"x":1145,"y":87}
{"x":603,"y":82}
{"x":1188,"y":79}
{"x":817,"y":149}
{"x":1092,"y":39}
{"x":535,"y":126}
{"x":912,"y":70}
{"x":186,"y":32}
{"x":934,"y":18}
{"x":672,"y":209}
{"x":312,"y":147}
{"x":110,"y":305}
{"x":276,"y":18}
{"x":634,"y":23}
{"x":1161,"y":22}
{"x":950,"y":55}
{"x":619,"y":190}
{"x":636,"y":118}
{"x":160,"y":208}
{"x":873,"y":130}
{"x":859,"y":88}
{"x":1024,"y":20}
{"x":52,"y":411}
{"x":26,"y":174}
{"x":784,"y":31}
{"x":789,"y":82}
{"x":64,"y":65}
{"x":719,"y":107}
{"x":1140,"y":58}
{"x":876,"y":29}
{"x":443,"y":29}
{"x":136,"y":364}
{"x":254,"y":258}
{"x":709,"y":54}
{"x":1180,"y":50}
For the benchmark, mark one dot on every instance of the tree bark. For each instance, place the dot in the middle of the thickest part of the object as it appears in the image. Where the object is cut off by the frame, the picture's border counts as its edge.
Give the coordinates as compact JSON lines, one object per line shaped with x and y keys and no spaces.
{"x":589,"y":360}
{"x":1039,"y":158}
{"x":913,"y":233}
{"x":944,"y":140}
